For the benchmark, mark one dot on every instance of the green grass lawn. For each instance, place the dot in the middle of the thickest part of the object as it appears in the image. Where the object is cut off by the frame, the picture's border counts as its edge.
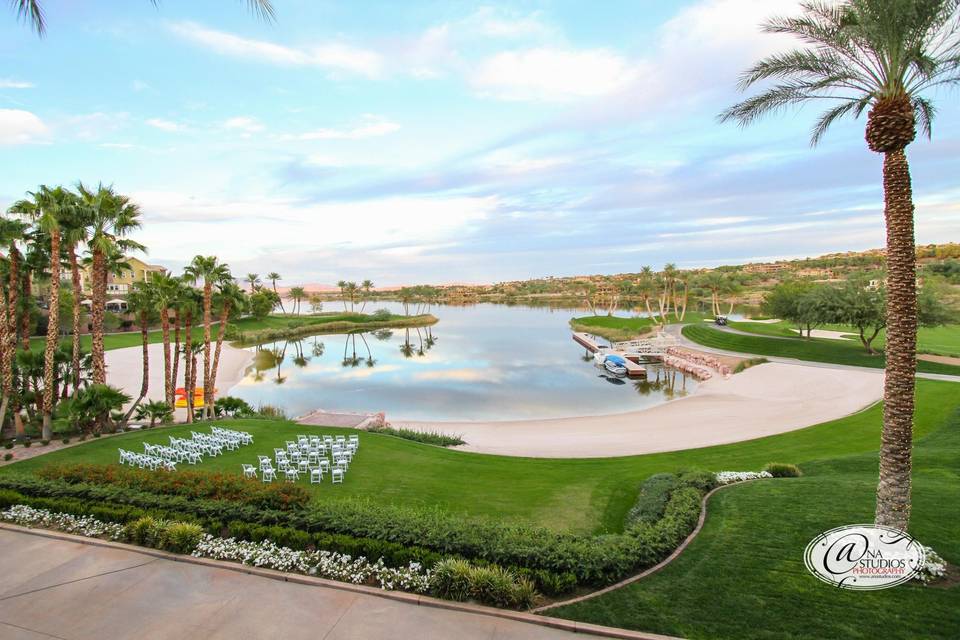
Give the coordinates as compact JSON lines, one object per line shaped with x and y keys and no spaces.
{"x":944,"y":341}
{"x":617,"y":328}
{"x":816,"y":349}
{"x":584,"y":496}
{"x":744,"y":578}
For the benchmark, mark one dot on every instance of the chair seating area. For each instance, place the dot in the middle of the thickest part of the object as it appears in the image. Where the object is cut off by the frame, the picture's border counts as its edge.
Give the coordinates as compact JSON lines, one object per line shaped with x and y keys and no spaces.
{"x":310,"y":457}
{"x":189,"y":451}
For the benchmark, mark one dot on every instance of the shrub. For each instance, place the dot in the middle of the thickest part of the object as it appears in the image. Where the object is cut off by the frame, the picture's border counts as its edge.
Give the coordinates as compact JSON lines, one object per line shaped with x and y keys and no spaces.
{"x":96,"y":435}
{"x":146,"y":531}
{"x":8,"y":445}
{"x":703,"y":481}
{"x":65,"y":440}
{"x":270,"y":411}
{"x":27,"y":443}
{"x":783,"y":470}
{"x":743,"y":365}
{"x":231,"y":407}
{"x":191,"y":484}
{"x":181,"y":537}
{"x":8,"y":457}
{"x":381,"y":315}
{"x":457,"y":579}
{"x":44,"y":442}
{"x":426,"y":437}
{"x":652,"y":498}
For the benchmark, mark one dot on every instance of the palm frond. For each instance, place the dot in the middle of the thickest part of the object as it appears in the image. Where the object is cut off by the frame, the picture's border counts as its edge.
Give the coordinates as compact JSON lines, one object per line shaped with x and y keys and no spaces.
{"x":925,"y":113}
{"x":31,"y":11}
{"x":832,"y":115}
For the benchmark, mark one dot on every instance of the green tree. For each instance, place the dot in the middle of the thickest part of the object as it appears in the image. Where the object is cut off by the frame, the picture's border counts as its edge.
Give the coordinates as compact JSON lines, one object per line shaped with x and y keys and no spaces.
{"x":211,"y":271}
{"x":883,"y":56}
{"x":298,"y":294}
{"x":155,"y":410}
{"x":273,"y":276}
{"x":142,"y":302}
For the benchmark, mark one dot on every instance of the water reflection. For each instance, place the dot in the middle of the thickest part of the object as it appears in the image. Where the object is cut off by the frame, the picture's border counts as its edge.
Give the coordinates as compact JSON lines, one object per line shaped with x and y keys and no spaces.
{"x":480,"y":362}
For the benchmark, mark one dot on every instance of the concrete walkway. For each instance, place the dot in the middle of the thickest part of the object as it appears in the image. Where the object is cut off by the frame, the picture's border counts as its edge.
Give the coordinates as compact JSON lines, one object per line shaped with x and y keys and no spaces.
{"x":67,"y":590}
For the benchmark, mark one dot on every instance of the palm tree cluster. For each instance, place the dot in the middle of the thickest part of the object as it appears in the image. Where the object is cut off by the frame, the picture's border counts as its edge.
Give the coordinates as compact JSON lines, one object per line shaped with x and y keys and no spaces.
{"x":43,"y":234}
{"x":55,"y":230}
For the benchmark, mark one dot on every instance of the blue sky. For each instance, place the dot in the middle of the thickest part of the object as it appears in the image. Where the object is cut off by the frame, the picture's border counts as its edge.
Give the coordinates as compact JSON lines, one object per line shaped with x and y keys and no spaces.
{"x":444,"y":141}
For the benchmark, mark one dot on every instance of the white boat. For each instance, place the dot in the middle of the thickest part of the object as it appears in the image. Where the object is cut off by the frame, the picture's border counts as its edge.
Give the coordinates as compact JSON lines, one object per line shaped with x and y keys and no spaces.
{"x":615,"y":365}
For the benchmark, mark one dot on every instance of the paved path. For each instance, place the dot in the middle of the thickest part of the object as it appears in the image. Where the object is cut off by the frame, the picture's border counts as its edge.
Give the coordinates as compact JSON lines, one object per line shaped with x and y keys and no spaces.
{"x":72,"y":591}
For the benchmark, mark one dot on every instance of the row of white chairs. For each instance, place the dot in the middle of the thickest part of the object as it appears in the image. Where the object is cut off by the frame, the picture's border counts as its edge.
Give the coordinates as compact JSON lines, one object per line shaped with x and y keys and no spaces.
{"x":143,"y":460}
{"x":308,"y":456}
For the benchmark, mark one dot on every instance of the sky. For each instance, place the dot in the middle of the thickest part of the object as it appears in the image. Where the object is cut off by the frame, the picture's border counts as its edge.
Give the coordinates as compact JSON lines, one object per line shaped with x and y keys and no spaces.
{"x":443,"y":141}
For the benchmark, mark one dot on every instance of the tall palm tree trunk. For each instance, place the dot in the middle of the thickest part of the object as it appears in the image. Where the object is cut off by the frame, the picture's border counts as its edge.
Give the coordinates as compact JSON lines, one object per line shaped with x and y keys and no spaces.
{"x":189,"y":377}
{"x":25,"y":316}
{"x":6,"y":360}
{"x":896,"y":440}
{"x":280,"y":298}
{"x":98,"y":302}
{"x":207,"y":388}
{"x":145,"y":381}
{"x":77,"y":295}
{"x":168,"y":382}
{"x":176,"y":356}
{"x":53,"y":336}
{"x":221,"y":333}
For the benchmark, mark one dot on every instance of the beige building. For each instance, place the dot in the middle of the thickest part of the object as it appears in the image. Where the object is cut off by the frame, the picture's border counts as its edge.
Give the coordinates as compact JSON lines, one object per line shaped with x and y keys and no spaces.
{"x":120,"y":284}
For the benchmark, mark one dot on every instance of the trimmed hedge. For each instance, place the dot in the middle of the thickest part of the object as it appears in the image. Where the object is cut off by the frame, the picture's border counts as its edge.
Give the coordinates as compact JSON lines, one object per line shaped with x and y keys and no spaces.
{"x":398,"y":534}
{"x":190,"y":484}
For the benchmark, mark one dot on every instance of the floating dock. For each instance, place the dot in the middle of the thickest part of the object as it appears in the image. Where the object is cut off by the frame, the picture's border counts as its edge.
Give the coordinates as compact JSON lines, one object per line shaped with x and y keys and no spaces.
{"x":634,"y":369}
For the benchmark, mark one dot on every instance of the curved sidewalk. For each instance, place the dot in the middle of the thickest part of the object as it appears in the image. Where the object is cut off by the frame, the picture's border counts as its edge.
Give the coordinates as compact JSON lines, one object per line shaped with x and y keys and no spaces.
{"x":54,"y":586}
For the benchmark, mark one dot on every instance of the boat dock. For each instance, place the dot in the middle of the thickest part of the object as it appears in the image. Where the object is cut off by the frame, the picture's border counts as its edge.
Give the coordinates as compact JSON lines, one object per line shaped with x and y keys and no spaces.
{"x":634,"y":369}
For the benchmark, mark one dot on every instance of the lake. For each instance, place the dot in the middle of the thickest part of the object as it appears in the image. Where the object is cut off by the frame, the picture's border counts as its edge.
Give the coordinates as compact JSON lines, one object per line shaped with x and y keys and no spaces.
{"x":479,"y":362}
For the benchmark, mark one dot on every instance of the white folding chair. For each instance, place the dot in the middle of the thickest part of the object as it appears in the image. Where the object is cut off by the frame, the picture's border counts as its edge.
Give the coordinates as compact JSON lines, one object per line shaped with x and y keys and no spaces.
{"x":316,"y":476}
{"x":249,"y":471}
{"x":268,"y":475}
{"x":337,"y":476}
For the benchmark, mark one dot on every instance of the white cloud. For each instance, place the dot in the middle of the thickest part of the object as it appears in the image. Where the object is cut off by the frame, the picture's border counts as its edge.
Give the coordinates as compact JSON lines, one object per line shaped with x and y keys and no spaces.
{"x":20,"y":127}
{"x":332,"y":56}
{"x":243,"y":123}
{"x":139,"y":85}
{"x":370,"y":126}
{"x":165,"y":125}
{"x":9,"y":83}
{"x":496,"y":22}
{"x":552,"y":74}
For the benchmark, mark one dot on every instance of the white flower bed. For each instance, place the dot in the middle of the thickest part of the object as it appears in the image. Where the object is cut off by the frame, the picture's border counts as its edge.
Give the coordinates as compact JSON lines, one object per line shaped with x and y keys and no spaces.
{"x":729,"y":477}
{"x":79,"y":525}
{"x":934,"y":567}
{"x":324,"y":564}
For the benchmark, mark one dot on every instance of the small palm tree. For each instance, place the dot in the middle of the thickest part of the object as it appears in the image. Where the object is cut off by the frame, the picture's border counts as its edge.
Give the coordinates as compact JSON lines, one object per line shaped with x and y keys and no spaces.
{"x":297,"y":293}
{"x":253,"y":280}
{"x":31,"y":12}
{"x":211,"y":271}
{"x":142,"y":302}
{"x":154,"y":410}
{"x":367,"y":287}
{"x":230,"y":299}
{"x":273,"y":276}
{"x":880,"y":56}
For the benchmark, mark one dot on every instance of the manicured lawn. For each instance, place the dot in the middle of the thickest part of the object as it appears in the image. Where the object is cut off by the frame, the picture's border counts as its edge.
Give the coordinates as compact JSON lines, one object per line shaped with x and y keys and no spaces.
{"x":584,"y":496}
{"x":816,"y":349}
{"x":744,"y":577}
{"x":944,"y":341}
{"x":616,"y":328}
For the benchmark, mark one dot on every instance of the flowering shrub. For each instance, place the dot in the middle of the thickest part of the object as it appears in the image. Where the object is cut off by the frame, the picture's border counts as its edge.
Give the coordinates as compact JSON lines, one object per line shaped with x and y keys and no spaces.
{"x":190,"y":484}
{"x":324,"y":564}
{"x":729,"y":477}
{"x":934,"y":567}
{"x":81,"y":525}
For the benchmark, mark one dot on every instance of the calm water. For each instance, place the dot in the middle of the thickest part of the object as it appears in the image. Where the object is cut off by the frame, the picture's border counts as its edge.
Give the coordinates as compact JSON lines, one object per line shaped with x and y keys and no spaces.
{"x":479,"y":362}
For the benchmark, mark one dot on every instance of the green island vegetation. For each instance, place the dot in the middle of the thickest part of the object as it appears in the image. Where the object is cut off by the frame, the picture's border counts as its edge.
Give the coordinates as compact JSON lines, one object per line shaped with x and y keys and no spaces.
{"x":248,"y":331}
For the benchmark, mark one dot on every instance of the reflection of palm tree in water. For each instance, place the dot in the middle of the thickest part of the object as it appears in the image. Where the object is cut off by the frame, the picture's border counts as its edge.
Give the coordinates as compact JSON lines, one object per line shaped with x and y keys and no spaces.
{"x":370,"y":361}
{"x":318,"y":347}
{"x":420,"y":351}
{"x":431,"y":339}
{"x":299,"y":359}
{"x":383,"y":334}
{"x":406,"y":348}
{"x":352,"y":360}
{"x":279,"y":355}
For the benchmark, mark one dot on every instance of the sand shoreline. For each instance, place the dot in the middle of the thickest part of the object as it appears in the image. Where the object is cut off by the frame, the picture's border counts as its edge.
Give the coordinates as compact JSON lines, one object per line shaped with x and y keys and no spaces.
{"x":764,"y":400}
{"x":125,"y":367}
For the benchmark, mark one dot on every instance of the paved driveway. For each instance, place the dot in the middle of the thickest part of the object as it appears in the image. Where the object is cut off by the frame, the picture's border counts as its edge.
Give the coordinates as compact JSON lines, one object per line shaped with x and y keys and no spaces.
{"x":67,"y":590}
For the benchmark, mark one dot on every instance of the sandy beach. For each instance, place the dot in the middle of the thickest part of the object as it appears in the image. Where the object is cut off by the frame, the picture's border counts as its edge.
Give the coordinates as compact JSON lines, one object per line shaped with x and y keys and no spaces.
{"x":763,"y":400}
{"x":125,"y":369}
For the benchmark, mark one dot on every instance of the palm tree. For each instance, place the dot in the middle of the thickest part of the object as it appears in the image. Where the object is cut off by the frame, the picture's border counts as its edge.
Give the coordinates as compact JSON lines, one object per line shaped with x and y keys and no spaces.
{"x":342,"y":285}
{"x":367,"y":286}
{"x":154,"y":410}
{"x":211,"y":271}
{"x":230,"y":298}
{"x":111,"y":217}
{"x":254,"y":280}
{"x":883,"y":56}
{"x":74,"y":230}
{"x":31,"y":12}
{"x":165,"y":288}
{"x":188,"y":303}
{"x":273,"y":276}
{"x":12,"y":232}
{"x":297,"y":293}
{"x":142,"y":301}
